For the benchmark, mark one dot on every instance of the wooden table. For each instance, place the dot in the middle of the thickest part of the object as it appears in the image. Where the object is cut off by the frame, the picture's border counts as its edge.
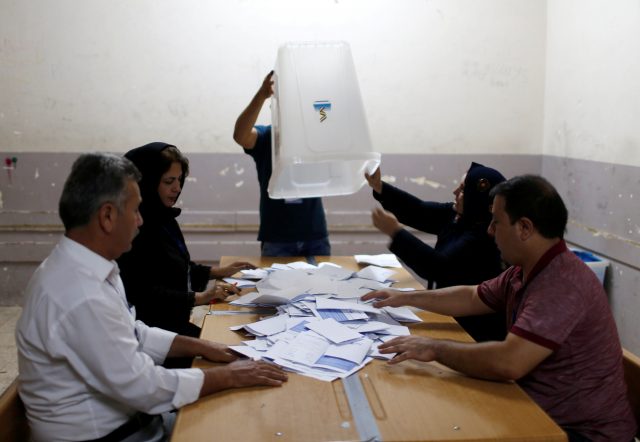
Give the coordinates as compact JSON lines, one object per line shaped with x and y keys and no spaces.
{"x":412,"y":401}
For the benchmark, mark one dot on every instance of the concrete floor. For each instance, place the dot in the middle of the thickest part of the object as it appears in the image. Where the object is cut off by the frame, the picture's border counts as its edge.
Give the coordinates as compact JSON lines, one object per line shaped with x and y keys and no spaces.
{"x":8,"y":356}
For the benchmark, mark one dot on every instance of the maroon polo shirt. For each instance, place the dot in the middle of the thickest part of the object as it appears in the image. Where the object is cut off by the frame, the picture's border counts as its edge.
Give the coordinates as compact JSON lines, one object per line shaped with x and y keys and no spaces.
{"x":564,"y":308}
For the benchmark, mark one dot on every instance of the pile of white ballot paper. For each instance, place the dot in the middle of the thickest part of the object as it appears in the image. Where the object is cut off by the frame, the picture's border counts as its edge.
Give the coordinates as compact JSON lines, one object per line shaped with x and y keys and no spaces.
{"x":321,"y":329}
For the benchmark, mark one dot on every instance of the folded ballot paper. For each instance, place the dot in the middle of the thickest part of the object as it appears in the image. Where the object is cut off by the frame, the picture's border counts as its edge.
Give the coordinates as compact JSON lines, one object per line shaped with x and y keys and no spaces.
{"x":382,"y":260}
{"x":321,"y":329}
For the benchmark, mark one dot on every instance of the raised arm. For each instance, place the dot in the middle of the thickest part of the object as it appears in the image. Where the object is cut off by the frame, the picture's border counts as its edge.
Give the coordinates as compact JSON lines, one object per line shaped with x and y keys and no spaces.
{"x":244,"y":133}
{"x":427,"y":216}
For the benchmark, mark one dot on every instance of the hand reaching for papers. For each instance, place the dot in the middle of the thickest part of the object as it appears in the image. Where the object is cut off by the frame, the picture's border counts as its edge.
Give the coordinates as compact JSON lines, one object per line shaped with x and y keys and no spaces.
{"x":216,"y":352}
{"x":385,"y":221}
{"x":232,"y":269}
{"x":387,"y":298}
{"x":420,"y":348}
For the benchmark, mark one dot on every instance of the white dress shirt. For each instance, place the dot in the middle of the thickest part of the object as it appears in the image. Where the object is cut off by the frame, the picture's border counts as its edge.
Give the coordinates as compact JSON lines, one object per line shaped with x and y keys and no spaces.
{"x":85,"y":364}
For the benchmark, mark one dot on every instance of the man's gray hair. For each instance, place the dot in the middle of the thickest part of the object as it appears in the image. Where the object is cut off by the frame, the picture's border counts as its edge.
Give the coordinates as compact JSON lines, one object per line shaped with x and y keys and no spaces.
{"x":95,"y":178}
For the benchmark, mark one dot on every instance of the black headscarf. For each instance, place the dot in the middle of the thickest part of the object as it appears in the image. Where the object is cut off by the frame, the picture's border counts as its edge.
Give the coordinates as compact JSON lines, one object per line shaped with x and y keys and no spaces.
{"x":477,"y":185}
{"x":148,"y":159}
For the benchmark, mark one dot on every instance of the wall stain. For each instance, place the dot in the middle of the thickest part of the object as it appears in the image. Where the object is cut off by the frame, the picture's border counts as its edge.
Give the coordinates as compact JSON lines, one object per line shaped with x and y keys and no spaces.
{"x":240,"y":183}
{"x":422,"y":181}
{"x":224,"y":171}
{"x":389,"y":179}
{"x":607,"y":235}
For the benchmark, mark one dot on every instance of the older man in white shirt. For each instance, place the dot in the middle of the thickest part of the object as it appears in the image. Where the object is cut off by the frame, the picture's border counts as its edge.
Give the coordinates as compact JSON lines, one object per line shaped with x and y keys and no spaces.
{"x":87,"y":369}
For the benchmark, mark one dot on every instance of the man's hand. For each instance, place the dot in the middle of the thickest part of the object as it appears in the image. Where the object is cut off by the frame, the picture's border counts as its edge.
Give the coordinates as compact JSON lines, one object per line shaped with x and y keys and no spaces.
{"x":410,"y":347}
{"x":230,"y":270}
{"x":266,"y":89}
{"x":244,"y":373}
{"x":247,"y":373}
{"x":386,"y":222}
{"x":375,"y":180}
{"x":386,"y":298}
{"x":216,"y":352}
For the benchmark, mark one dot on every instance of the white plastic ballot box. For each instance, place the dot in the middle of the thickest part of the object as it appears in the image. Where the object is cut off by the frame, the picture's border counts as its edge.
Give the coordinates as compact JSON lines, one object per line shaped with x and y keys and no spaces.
{"x":320,"y":137}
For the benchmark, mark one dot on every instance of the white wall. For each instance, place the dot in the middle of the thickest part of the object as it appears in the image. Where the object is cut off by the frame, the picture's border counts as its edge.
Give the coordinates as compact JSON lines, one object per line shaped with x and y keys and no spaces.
{"x":592,"y":99}
{"x":440,"y":76}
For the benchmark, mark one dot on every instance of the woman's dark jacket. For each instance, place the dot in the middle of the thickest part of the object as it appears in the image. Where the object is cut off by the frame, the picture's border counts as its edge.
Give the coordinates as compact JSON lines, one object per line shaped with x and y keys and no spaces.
{"x":159,"y":277}
{"x":463,"y":254}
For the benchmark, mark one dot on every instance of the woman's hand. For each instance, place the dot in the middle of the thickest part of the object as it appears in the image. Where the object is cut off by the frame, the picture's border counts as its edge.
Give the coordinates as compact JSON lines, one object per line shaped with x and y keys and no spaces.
{"x":386,"y":222}
{"x":230,"y":270}
{"x":375,"y":180}
{"x":229,"y":289}
{"x":220,"y":291}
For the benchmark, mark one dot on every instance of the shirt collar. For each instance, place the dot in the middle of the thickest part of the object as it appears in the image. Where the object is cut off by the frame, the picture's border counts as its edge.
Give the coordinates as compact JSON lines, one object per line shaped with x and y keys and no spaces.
{"x":88,"y":259}
{"x":546,"y":258}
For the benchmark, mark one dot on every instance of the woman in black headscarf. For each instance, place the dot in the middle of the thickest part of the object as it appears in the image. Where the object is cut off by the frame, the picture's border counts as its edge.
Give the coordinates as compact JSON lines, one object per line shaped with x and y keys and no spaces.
{"x":159,"y":277}
{"x":464,"y":253}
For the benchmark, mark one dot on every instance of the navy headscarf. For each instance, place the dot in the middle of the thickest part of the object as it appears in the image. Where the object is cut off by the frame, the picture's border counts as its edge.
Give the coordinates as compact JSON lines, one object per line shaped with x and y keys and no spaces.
{"x":149,"y":161}
{"x":477,"y":185}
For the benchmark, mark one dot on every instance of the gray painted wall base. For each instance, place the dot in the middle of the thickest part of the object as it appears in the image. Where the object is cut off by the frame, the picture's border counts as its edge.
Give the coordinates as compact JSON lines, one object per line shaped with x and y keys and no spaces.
{"x":220,"y":215}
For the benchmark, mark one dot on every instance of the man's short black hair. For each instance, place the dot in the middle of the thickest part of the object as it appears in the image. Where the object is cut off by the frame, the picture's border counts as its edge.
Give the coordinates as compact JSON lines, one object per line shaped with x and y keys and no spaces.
{"x":533,"y":197}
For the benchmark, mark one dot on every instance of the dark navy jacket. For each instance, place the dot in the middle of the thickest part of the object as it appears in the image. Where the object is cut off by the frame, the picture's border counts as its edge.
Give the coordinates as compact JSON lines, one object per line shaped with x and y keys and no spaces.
{"x":158,"y":275}
{"x":463,"y":254}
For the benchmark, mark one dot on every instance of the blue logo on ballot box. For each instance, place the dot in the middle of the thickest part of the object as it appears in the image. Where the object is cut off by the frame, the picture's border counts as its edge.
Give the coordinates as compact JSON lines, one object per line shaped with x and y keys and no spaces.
{"x":322,"y":107}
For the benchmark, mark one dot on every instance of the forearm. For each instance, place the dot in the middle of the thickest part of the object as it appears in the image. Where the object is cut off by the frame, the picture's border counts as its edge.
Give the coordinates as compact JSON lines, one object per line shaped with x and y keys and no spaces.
{"x":485,"y":360}
{"x":419,"y":256}
{"x":247,"y":119}
{"x":409,"y":209}
{"x":216,"y":379}
{"x":506,"y":360}
{"x":452,"y":301}
{"x":186,"y":347}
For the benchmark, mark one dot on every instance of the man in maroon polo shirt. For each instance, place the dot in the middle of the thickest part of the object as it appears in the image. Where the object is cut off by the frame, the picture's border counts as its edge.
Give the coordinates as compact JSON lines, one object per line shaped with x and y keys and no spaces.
{"x":562,"y":347}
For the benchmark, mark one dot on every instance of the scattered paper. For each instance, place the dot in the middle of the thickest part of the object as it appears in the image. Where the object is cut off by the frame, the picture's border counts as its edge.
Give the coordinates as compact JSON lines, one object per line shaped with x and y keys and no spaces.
{"x":383,"y":260}
{"x":376,"y":273}
{"x":240,"y":283}
{"x":334,"y":331}
{"x":321,"y":327}
{"x":267,"y":327}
